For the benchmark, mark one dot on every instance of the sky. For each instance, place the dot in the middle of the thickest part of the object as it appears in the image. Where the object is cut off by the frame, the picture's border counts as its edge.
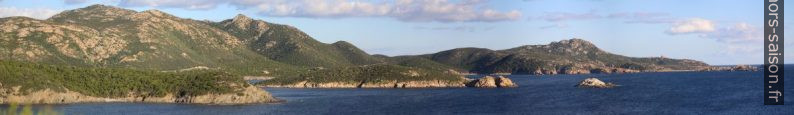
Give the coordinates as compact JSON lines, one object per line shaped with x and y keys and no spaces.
{"x":718,"y":32}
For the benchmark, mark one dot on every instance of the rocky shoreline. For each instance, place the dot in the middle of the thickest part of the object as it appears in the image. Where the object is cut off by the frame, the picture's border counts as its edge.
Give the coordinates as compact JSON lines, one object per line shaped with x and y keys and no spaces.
{"x":387,"y":84}
{"x":248,"y":95}
{"x":492,"y":82}
{"x":625,"y":70}
{"x":484,"y":82}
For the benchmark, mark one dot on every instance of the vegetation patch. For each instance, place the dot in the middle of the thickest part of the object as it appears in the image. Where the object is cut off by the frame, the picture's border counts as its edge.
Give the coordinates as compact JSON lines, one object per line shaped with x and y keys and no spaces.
{"x":116,"y":82}
{"x":367,"y":73}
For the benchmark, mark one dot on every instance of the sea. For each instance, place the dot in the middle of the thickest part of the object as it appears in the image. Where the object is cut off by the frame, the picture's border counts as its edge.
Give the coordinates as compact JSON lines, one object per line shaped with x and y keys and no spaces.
{"x":724,"y":92}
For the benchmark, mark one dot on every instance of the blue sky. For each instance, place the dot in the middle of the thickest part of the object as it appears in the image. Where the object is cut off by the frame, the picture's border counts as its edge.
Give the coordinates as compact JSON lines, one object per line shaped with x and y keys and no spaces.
{"x":715,"y":31}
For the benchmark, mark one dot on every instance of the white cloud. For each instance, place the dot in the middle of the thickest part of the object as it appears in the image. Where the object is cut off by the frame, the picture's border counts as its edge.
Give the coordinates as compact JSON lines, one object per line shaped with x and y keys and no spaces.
{"x":403,"y":10}
{"x":693,"y":25}
{"x":738,"y":33}
{"x":739,"y":38}
{"x":38,"y":13}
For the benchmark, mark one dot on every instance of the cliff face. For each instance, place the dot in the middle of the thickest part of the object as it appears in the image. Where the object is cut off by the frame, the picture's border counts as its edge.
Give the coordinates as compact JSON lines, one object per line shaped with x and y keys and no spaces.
{"x":47,"y":96}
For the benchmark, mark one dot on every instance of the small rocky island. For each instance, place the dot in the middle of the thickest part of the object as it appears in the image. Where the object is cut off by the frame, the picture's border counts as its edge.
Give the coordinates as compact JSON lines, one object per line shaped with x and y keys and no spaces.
{"x":594,"y":83}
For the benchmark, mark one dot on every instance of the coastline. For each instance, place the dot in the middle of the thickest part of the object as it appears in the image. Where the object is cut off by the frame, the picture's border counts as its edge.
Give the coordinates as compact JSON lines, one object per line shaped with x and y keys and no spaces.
{"x":388,"y":84}
{"x":248,"y":95}
{"x":469,"y":82}
{"x":484,"y":82}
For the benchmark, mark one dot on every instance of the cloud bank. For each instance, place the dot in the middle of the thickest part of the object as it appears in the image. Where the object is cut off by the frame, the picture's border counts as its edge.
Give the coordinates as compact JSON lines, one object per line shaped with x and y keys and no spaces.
{"x":740,"y":37}
{"x":403,"y":10}
{"x":694,"y":25}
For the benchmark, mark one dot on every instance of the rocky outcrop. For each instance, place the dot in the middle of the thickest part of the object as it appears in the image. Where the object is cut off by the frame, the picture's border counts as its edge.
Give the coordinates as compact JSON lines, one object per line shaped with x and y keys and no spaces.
{"x":492,"y":82}
{"x":612,"y":70}
{"x":574,"y":71}
{"x":732,"y":68}
{"x":485,"y":82}
{"x":594,"y":83}
{"x":245,"y":96}
{"x":624,"y":70}
{"x":600,"y":71}
{"x":502,"y":81}
{"x":744,"y":68}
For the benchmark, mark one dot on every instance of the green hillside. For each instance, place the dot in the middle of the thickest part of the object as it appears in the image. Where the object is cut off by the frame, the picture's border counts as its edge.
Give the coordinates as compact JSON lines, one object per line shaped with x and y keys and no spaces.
{"x":289,"y":45}
{"x":115,"y":82}
{"x":369,"y":73}
{"x":104,"y":36}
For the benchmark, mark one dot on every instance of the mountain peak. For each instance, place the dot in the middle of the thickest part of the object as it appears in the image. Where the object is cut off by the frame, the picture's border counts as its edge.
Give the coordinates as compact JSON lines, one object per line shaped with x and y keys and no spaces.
{"x":573,"y":46}
{"x":101,"y":7}
{"x":241,"y":21}
{"x":96,"y":11}
{"x":154,"y":11}
{"x":574,"y":43}
{"x":342,"y":42}
{"x":241,"y":17}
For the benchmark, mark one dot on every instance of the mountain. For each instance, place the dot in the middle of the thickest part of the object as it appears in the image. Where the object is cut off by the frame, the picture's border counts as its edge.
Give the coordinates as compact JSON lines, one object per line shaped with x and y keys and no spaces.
{"x":106,"y":36}
{"x":101,"y":53}
{"x":573,"y":56}
{"x":289,"y":45}
{"x":97,"y":50}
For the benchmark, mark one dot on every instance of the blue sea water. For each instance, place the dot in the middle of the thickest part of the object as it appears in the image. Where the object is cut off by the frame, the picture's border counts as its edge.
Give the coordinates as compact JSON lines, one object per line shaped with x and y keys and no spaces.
{"x":639,"y":93}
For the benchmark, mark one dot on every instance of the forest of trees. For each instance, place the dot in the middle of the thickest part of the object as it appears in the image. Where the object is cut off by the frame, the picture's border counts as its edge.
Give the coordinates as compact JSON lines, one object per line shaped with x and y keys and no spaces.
{"x":370,"y":73}
{"x":115,"y":82}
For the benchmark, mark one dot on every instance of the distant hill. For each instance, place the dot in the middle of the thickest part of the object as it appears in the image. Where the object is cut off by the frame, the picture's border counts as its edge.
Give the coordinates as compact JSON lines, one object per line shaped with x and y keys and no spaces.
{"x":573,"y":56}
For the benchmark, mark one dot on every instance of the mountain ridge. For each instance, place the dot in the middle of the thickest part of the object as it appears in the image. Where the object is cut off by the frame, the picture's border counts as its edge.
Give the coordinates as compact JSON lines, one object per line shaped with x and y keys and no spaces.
{"x":572,"y":56}
{"x":101,"y":35}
